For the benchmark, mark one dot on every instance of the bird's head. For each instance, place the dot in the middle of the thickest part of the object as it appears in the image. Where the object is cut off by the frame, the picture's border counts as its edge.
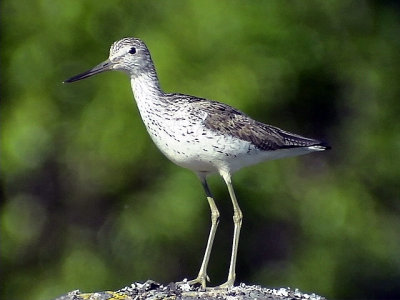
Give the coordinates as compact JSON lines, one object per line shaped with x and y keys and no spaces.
{"x":128,"y":54}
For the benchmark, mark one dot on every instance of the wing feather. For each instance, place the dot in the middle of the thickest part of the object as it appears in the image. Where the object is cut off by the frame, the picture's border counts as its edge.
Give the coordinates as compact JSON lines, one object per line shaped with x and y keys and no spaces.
{"x":230,"y":121}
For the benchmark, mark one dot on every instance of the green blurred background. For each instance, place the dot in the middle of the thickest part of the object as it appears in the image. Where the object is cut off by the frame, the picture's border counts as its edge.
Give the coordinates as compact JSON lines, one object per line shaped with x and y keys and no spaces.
{"x":89,"y":203}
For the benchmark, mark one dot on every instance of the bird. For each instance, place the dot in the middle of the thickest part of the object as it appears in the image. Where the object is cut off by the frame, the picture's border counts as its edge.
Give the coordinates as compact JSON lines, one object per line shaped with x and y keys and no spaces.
{"x":204,"y":136}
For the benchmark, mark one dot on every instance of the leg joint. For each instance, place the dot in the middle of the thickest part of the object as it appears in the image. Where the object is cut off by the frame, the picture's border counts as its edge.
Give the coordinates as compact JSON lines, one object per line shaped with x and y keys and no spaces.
{"x":237,"y":216}
{"x":215,"y":216}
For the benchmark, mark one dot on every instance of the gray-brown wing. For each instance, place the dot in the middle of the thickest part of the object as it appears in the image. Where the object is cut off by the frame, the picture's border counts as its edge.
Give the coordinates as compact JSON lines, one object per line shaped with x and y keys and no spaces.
{"x":230,"y":121}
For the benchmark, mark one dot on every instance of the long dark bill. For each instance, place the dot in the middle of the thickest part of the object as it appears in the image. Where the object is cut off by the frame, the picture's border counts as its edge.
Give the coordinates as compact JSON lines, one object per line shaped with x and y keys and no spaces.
{"x":104,"y":66}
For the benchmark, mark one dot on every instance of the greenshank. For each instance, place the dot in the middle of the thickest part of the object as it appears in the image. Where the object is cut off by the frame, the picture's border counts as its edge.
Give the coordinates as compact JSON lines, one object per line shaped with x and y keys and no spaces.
{"x":202,"y":135}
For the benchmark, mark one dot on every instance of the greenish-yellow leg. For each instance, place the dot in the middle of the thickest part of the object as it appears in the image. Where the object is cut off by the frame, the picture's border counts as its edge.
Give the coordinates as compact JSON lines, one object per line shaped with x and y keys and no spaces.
{"x":237,"y":221}
{"x":202,"y":276}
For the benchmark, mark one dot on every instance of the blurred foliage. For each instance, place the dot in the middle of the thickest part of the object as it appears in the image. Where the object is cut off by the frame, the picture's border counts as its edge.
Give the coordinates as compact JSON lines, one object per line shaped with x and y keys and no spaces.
{"x":91,"y":204}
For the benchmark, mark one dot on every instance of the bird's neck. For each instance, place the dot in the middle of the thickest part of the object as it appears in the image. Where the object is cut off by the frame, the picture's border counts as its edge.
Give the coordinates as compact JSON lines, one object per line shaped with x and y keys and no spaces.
{"x":146,"y":87}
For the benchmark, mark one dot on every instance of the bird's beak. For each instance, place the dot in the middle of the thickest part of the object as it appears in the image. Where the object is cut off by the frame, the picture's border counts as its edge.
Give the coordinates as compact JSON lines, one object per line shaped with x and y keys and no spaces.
{"x":104,"y":66}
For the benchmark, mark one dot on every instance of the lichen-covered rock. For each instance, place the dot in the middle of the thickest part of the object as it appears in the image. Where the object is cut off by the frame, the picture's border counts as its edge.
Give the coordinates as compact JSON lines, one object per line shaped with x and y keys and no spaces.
{"x":183,"y":291}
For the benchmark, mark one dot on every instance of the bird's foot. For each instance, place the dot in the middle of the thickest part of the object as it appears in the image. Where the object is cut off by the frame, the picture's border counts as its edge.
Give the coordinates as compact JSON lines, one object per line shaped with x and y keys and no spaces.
{"x":227,"y":285}
{"x":201,"y":279}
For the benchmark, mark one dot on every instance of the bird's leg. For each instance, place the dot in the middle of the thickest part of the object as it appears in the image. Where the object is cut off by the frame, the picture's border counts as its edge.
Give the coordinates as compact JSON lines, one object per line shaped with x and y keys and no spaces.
{"x":202,"y":276}
{"x":237,"y":220}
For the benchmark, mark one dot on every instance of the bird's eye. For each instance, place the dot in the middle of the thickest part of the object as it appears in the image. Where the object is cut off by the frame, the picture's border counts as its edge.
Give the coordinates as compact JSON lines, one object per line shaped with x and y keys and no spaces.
{"x":132,"y":50}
